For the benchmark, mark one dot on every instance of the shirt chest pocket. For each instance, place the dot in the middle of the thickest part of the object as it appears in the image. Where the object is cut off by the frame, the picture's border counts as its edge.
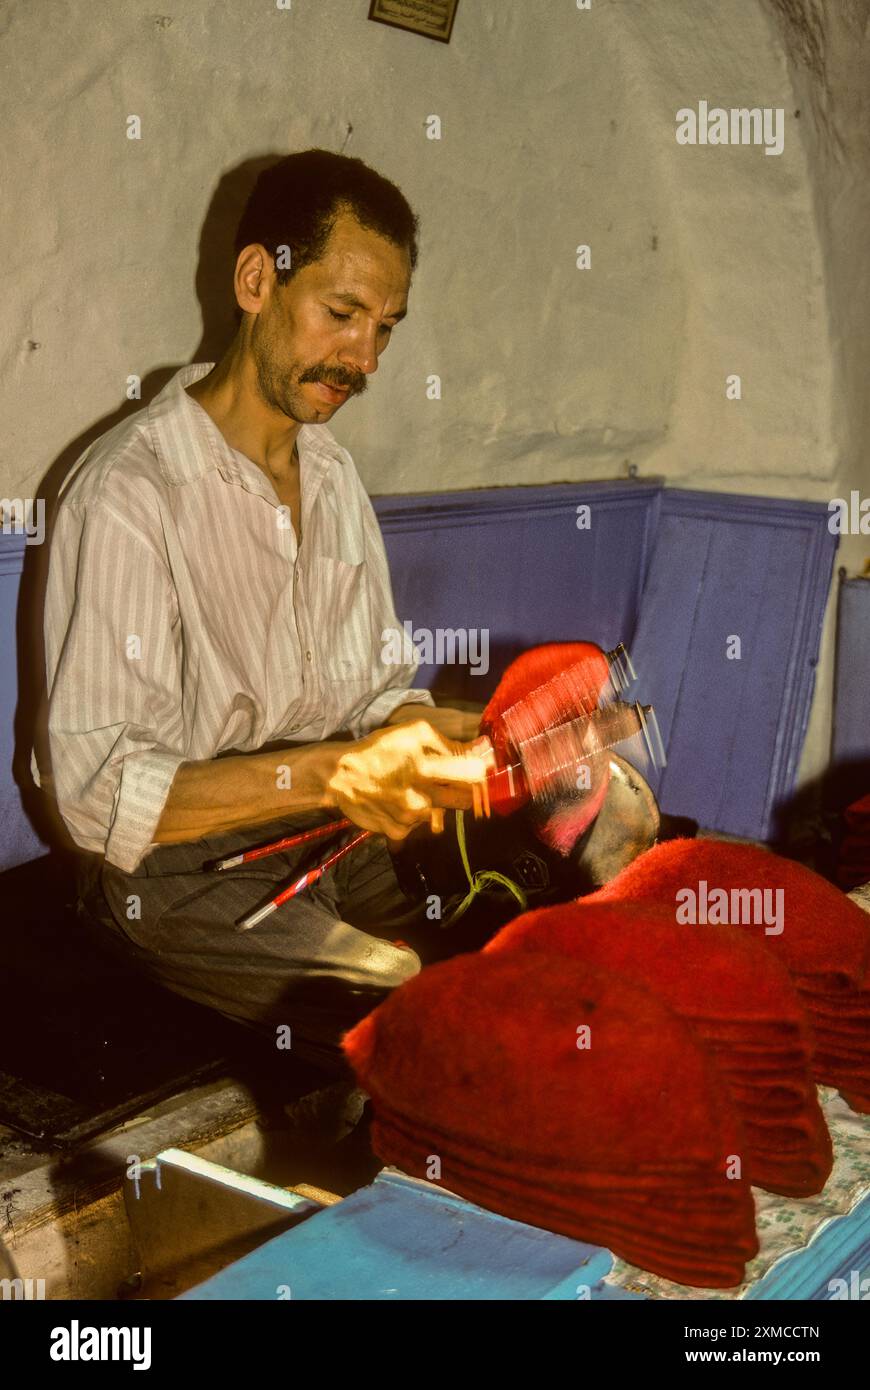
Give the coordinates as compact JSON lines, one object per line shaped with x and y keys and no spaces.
{"x":341,"y":614}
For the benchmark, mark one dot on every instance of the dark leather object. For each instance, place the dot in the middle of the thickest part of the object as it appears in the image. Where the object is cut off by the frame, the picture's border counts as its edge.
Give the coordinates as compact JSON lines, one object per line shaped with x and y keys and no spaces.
{"x":626,"y":825}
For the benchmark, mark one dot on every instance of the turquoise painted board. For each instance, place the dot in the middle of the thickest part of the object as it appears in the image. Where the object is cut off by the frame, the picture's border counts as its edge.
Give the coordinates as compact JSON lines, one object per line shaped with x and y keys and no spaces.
{"x":401,"y":1239}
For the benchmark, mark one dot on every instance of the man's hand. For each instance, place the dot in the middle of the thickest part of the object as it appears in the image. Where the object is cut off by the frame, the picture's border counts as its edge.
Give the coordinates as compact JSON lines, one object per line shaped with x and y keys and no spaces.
{"x":391,"y":781}
{"x":457,"y":724}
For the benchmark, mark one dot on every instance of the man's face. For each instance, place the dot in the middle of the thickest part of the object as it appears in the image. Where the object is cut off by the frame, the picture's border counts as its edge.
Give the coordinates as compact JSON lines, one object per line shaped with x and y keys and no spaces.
{"x":327,"y":328}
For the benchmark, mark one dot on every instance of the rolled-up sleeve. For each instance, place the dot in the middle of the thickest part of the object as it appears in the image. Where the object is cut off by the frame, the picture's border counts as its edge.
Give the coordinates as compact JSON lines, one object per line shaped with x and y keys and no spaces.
{"x":390,"y":681}
{"x":113,"y":668}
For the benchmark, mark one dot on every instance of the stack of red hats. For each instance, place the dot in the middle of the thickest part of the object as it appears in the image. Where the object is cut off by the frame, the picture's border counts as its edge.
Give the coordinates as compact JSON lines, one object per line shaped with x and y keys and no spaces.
{"x":823,"y":938}
{"x":539,"y":667}
{"x":853,"y":860}
{"x":561,"y":1095}
{"x":738,"y":1000}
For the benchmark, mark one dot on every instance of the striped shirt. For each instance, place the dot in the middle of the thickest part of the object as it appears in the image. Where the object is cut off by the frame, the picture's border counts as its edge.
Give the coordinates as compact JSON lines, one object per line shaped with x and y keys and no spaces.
{"x":181,"y":623}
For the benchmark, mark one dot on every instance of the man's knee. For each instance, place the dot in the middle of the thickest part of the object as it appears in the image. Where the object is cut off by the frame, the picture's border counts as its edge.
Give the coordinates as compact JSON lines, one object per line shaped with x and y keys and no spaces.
{"x":393,"y":965}
{"x":322,"y":1008}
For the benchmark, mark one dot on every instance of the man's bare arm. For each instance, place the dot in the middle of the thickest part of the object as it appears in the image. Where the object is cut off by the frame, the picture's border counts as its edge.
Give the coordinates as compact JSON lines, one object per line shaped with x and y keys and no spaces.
{"x":221,"y":794}
{"x":457,"y":724}
{"x":387,"y":783}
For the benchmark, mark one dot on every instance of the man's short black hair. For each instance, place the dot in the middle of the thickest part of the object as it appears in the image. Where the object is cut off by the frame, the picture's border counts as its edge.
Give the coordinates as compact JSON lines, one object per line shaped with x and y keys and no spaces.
{"x":296,"y":201}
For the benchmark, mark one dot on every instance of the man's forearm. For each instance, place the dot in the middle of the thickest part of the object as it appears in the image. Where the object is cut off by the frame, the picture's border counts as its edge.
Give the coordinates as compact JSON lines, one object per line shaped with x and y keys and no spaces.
{"x":221,"y":794}
{"x":461,"y":725}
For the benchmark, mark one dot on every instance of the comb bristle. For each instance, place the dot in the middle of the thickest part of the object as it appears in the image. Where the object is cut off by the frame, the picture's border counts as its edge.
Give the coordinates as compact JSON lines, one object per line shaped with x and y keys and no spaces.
{"x":552,"y":759}
{"x":563,"y":697}
{"x":528,"y":672}
{"x":562,"y":806}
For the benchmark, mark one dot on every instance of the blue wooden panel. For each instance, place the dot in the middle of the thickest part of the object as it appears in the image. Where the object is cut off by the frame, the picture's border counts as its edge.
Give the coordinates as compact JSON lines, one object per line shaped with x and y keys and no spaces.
{"x":401,"y":1239}
{"x":722,"y":567}
{"x":510,"y":560}
{"x":513,"y":561}
{"x":851,"y":739}
{"x":19,"y":843}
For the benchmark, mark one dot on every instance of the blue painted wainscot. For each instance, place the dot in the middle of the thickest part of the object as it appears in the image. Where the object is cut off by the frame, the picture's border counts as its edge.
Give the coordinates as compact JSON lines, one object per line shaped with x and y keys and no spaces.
{"x":851,"y":741}
{"x":673,"y":574}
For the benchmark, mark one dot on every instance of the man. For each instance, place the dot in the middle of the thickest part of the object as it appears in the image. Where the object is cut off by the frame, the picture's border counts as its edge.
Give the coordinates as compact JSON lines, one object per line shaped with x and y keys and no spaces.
{"x":217,"y":592}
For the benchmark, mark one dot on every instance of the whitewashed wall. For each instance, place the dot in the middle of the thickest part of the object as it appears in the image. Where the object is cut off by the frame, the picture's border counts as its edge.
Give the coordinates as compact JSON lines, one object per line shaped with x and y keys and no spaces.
{"x":558,"y":128}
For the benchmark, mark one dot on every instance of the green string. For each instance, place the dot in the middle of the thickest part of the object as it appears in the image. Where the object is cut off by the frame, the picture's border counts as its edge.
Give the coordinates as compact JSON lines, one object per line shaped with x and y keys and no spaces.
{"x":478,"y":881}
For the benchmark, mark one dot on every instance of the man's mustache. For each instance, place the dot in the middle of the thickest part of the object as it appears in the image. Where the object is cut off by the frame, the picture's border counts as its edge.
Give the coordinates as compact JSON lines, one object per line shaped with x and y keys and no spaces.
{"x":356,"y":385}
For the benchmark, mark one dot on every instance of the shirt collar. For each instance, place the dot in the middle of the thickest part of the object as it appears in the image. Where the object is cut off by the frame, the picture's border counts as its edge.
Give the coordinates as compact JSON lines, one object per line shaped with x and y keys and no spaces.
{"x":188,"y":443}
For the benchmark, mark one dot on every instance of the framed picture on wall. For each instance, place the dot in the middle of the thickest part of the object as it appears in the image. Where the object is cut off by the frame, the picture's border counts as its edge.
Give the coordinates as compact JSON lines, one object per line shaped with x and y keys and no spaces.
{"x":431,"y":18}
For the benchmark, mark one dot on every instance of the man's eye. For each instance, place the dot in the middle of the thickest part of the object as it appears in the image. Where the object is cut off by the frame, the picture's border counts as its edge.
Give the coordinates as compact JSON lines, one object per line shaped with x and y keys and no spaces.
{"x":338,"y":316}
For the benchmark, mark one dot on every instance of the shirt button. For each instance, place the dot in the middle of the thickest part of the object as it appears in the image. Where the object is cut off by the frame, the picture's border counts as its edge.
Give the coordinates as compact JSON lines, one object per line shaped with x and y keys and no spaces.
{"x":307,"y":656}
{"x":294,"y":728}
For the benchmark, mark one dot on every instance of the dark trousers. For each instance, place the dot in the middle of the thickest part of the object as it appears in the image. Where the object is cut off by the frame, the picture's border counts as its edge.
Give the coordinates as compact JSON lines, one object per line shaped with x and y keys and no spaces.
{"x":316,"y":965}
{"x":326,"y":958}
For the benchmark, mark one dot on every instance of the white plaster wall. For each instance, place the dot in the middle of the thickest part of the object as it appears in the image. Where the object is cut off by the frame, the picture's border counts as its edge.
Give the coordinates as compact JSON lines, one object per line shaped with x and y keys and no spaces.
{"x":547,"y":372}
{"x":748,"y":251}
{"x":828,"y":48}
{"x":558,"y":128}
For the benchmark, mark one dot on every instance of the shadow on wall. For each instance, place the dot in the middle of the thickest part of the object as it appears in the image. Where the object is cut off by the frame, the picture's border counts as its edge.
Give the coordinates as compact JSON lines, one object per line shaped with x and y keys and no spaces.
{"x":220,"y":317}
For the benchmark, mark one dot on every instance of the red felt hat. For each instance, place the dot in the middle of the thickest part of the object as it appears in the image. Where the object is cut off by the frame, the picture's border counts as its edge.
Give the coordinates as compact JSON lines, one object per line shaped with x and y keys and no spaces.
{"x":534,"y":668}
{"x":825,"y":934}
{"x":480,"y":1055}
{"x":825,"y":941}
{"x":558,"y":681}
{"x":686,"y":1243}
{"x":853,"y":863}
{"x":714,"y":978}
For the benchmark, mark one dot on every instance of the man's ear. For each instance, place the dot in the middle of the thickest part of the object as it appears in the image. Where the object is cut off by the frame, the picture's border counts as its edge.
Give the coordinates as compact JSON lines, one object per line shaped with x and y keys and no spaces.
{"x":254,"y":278}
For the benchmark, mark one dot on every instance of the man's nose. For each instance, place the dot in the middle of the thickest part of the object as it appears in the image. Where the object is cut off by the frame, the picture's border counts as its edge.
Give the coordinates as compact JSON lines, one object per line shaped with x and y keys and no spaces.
{"x":362,"y":354}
